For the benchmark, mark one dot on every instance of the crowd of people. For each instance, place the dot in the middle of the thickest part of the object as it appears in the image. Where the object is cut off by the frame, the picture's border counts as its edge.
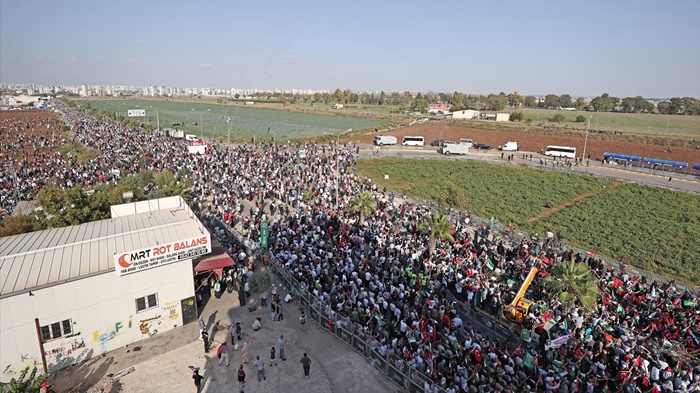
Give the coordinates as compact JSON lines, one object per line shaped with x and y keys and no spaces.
{"x":379,"y":274}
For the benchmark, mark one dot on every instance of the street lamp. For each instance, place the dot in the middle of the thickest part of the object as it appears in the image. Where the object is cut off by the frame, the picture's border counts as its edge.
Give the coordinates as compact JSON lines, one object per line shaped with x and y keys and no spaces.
{"x":585,"y":142}
{"x":337,"y":163}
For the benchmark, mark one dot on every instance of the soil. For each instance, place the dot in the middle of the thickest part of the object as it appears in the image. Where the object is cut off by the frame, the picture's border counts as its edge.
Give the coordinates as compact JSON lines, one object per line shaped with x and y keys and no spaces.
{"x":536,"y":141}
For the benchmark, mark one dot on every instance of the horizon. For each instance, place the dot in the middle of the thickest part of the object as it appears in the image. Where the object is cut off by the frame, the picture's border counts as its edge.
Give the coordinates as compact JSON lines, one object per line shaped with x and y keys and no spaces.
{"x":625,"y":49}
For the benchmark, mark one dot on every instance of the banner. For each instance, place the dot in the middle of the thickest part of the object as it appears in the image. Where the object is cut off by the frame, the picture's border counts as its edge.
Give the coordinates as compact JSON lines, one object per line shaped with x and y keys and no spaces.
{"x":148,"y":258}
{"x":557,"y":342}
{"x":136,"y":112}
{"x":263,"y":234}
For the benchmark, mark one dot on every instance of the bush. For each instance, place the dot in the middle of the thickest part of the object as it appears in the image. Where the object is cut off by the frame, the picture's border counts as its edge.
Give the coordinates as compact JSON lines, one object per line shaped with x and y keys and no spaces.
{"x":558,"y":118}
{"x":580,"y":119}
{"x":260,"y":281}
{"x":516,"y":116}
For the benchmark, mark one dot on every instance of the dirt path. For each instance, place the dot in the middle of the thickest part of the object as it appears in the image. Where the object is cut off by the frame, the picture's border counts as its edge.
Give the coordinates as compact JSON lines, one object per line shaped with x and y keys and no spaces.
{"x":570,"y":202}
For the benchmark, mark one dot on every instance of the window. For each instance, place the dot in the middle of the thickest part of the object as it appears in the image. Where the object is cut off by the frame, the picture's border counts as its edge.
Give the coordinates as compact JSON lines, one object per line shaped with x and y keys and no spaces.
{"x":56,"y":330}
{"x":146,"y":302}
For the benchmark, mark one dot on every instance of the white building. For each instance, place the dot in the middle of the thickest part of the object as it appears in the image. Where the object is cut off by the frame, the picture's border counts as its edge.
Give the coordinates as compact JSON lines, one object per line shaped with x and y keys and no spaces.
{"x":466,"y":114}
{"x":69,"y":294}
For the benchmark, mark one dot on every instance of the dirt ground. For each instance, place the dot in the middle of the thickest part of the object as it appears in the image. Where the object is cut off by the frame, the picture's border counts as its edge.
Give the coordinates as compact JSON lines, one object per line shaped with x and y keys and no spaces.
{"x":532,"y":142}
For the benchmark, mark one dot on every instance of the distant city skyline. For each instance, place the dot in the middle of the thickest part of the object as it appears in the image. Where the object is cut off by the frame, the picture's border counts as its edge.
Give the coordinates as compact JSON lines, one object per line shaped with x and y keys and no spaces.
{"x":621,"y":48}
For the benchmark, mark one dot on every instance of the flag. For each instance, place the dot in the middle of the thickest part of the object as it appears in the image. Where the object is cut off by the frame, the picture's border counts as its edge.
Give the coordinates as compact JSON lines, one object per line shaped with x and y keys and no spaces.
{"x":638,"y":362}
{"x":529,"y":360}
{"x":689,"y":303}
{"x":590,"y":254}
{"x":490,"y":264}
{"x":620,"y":309}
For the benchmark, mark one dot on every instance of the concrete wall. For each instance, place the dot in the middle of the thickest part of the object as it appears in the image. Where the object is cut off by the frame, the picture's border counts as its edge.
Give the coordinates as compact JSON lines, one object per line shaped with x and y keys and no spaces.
{"x":466,"y":114}
{"x":102,"y":309}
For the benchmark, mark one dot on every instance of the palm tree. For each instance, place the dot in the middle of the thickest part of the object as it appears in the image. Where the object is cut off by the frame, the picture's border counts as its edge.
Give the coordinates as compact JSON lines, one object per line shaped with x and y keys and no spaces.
{"x":362,"y":203}
{"x":438,"y":226}
{"x":573,"y":283}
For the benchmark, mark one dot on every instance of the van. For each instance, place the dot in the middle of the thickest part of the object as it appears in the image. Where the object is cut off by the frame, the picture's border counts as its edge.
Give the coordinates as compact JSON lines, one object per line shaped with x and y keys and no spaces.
{"x":455,"y":148}
{"x":381,"y":140}
{"x":510,"y":146}
{"x":191,"y":138}
{"x":468,"y":142}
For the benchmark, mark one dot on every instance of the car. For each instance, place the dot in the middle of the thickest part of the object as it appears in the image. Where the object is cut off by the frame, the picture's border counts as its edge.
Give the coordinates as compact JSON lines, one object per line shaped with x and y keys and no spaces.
{"x":437,"y":142}
{"x":482,"y":146}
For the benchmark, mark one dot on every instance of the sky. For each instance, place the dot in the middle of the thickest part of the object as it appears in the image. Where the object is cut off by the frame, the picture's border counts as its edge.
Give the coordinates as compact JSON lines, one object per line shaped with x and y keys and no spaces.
{"x":624,"y":48}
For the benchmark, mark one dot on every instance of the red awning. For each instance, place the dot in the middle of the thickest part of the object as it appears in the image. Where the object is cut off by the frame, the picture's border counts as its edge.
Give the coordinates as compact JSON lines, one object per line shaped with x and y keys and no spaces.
{"x":216,"y":261}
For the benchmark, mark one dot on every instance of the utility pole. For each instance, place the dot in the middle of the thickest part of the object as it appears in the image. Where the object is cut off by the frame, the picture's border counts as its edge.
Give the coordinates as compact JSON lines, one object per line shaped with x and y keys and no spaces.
{"x":585,"y":142}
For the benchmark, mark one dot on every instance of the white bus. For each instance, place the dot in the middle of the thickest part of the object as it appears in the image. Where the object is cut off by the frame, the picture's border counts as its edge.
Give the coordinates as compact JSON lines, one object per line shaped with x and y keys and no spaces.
{"x":413,"y":141}
{"x":560,"y":151}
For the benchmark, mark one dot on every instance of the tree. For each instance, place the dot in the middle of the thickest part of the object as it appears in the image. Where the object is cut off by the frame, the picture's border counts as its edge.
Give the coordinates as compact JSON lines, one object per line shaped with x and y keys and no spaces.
{"x":15,"y":225}
{"x":530,"y":101}
{"x":363,"y":204}
{"x":573,"y":283}
{"x":602,"y":103}
{"x":27,"y":382}
{"x":62,"y":208}
{"x":551,"y":101}
{"x":337,"y":95}
{"x":260,"y":281}
{"x":419,"y":105}
{"x":454,"y":196}
{"x":580,"y":119}
{"x":437,"y":226}
{"x":580,"y":103}
{"x":496,"y":102}
{"x":565,"y":101}
{"x":516,"y":116}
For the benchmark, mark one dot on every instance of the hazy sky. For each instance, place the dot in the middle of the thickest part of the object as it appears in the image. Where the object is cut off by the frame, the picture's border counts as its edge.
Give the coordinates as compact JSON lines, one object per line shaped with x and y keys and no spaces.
{"x":582,"y":48}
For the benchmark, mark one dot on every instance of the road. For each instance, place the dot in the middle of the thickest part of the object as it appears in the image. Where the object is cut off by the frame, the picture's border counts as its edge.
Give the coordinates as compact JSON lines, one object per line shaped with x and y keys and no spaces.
{"x":658,"y":178}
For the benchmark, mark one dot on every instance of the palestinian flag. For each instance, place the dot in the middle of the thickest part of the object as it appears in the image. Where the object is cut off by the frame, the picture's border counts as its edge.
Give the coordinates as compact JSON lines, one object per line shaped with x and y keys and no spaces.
{"x":689,"y":303}
{"x":490,"y":264}
{"x":620,"y":309}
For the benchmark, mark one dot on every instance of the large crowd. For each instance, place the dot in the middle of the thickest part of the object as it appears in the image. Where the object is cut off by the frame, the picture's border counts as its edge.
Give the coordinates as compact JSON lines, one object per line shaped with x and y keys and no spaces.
{"x":377,"y":272}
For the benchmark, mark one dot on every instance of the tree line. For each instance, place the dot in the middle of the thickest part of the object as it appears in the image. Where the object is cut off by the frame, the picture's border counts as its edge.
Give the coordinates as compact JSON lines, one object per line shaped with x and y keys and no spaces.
{"x":493,"y":102}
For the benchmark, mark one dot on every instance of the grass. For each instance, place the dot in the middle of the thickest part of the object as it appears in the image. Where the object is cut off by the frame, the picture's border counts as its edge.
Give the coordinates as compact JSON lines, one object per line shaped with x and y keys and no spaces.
{"x":650,"y":124}
{"x":246,"y":122}
{"x":653,"y":228}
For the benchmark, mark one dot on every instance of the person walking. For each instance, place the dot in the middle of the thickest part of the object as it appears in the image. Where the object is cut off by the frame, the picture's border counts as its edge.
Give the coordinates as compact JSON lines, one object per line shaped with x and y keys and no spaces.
{"x":302,"y":322}
{"x":245,"y":354}
{"x":273,"y":310}
{"x":260,"y":366}
{"x":241,"y":379}
{"x":205,"y":338}
{"x":281,"y":341}
{"x":238,"y":331}
{"x":224,"y":353}
{"x":202,"y":326}
{"x":263,"y":299}
{"x":273,"y":358}
{"x":232,"y":334}
{"x":217,"y":289}
{"x":306,"y":363}
{"x":197,"y":380}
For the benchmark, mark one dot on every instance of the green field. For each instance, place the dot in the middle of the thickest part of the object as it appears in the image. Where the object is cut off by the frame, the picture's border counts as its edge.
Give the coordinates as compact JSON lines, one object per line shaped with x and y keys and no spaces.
{"x":652,"y":124}
{"x":653,"y":228}
{"x":246,"y":122}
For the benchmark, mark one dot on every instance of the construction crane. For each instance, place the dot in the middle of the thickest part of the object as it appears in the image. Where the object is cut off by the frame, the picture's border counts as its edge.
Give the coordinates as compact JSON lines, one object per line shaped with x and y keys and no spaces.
{"x":518,"y":309}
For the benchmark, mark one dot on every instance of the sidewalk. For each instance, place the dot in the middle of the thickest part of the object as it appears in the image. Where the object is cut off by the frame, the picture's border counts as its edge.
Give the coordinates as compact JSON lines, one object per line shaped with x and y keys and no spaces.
{"x":161,"y":362}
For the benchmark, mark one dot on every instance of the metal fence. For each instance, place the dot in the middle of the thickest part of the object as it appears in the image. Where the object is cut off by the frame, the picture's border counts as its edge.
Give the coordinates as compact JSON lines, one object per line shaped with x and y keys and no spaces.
{"x":355,"y":336}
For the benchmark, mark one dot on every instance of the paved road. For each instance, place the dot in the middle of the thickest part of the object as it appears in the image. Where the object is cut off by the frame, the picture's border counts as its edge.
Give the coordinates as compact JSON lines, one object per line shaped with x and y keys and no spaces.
{"x":681,"y":182}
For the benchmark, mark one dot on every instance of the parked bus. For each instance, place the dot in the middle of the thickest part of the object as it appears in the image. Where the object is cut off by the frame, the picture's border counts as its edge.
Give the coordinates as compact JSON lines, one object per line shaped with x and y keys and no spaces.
{"x":560,"y":151}
{"x":413,"y":141}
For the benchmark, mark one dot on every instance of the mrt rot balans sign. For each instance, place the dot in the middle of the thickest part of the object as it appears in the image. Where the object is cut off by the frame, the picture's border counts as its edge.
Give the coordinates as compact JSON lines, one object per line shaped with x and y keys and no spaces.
{"x":147,"y":258}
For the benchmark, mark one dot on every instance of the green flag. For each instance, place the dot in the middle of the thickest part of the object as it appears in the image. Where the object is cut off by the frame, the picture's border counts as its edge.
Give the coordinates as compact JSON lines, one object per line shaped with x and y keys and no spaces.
{"x":490,"y":264}
{"x":528,"y":361}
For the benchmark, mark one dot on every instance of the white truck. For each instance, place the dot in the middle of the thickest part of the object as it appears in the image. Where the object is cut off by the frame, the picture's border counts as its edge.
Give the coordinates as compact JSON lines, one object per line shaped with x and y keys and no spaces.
{"x":337,"y":106}
{"x":510,"y":146}
{"x":177,"y":134}
{"x":454,"y":148}
{"x":191,"y":138}
{"x":381,"y":140}
{"x":466,"y":141}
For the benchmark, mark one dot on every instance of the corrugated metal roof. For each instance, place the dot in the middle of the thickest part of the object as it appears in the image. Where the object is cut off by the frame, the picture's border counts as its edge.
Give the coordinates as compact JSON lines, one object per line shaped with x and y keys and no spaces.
{"x":42,"y":258}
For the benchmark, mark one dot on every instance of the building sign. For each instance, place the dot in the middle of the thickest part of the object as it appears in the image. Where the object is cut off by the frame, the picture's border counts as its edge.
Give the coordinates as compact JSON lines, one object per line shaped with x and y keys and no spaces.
{"x":136,"y":112}
{"x":148,"y":258}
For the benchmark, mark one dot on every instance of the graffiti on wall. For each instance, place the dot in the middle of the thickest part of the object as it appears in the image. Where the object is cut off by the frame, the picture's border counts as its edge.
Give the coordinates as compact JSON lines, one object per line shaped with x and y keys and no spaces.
{"x":104,"y":336}
{"x":25,"y":360}
{"x":161,"y":322}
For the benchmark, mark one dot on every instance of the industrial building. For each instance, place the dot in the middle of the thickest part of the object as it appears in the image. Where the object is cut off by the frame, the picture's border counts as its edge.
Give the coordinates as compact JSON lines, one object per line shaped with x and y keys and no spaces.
{"x":69,"y":294}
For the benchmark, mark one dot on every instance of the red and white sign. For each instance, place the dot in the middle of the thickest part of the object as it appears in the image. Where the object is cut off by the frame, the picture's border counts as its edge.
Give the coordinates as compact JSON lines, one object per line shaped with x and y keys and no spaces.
{"x":148,"y":258}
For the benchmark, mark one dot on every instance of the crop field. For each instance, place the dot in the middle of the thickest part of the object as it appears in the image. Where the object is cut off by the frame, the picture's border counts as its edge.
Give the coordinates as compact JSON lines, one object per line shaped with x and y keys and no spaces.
{"x":640,"y":123}
{"x":246,"y":122}
{"x":652,"y":228}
